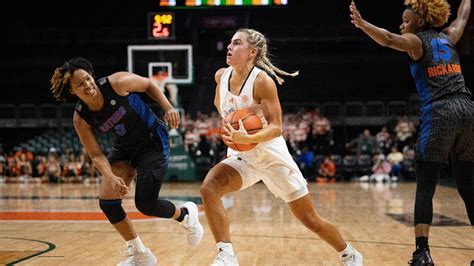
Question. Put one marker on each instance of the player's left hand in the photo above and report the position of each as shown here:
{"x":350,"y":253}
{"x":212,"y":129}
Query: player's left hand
{"x":172,"y":118}
{"x":356,"y":18}
{"x":236,"y":136}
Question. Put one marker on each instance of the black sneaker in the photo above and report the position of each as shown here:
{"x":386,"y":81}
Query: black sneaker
{"x":421,"y":257}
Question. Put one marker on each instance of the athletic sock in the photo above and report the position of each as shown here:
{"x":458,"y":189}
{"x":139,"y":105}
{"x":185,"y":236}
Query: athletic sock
{"x":422,"y":242}
{"x":136,"y":245}
{"x":347,"y":250}
{"x":223,"y":246}
{"x":184,"y":211}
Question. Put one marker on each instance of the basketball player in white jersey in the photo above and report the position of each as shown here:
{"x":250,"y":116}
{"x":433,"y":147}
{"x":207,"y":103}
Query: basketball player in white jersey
{"x":248,"y":84}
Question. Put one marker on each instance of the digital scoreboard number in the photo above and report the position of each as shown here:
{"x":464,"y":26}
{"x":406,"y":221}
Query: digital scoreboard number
{"x":161,"y":26}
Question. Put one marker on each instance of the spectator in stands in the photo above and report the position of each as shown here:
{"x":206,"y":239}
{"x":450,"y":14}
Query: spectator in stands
{"x":395,"y":158}
{"x":88,"y":171}
{"x":321,"y":136}
{"x":24,"y":150}
{"x":404,"y":133}
{"x":191,"y":139}
{"x":391,"y":123}
{"x":112,"y":105}
{"x":52,"y":169}
{"x":301,"y":133}
{"x":384,"y":140}
{"x":327,"y":170}
{"x":447,"y":112}
{"x":204,"y":147}
{"x":71,"y":169}
{"x":202,"y":123}
{"x":365,"y":143}
{"x":306,"y":163}
{"x":380,"y":170}
{"x":24,"y":168}
{"x":38,"y":166}
{"x":11,"y":169}
{"x":408,"y":164}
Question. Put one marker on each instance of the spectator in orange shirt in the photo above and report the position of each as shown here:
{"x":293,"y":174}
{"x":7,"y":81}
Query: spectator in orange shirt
{"x":327,"y":170}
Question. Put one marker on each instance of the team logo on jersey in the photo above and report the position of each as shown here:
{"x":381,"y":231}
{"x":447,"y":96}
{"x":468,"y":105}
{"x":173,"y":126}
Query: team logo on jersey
{"x":231,"y":101}
{"x":102,"y":81}
{"x":228,"y":111}
{"x":79,"y":107}
{"x":114,"y":120}
{"x":113,"y":102}
{"x":244,"y":98}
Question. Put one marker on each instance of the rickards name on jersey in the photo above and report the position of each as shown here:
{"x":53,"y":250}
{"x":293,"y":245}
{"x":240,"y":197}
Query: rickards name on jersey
{"x":444,"y":69}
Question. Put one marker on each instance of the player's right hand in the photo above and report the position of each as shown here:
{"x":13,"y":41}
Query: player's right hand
{"x":172,"y":118}
{"x":119,"y":186}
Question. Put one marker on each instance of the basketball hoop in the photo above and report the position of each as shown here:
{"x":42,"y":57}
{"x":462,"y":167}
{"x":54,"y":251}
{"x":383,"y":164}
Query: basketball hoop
{"x":161,"y":77}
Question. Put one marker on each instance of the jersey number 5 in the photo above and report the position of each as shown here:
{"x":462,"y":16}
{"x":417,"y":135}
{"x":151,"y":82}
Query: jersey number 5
{"x":440,"y":50}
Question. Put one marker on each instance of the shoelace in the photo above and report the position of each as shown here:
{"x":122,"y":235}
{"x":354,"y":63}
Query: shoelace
{"x":414,"y":257}
{"x":347,"y":258}
{"x":126,"y":253}
{"x":191,"y":228}
{"x":130,"y":257}
{"x":222,"y":257}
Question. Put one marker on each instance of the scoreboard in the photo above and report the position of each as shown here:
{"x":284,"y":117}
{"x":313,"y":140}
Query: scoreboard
{"x":161,"y":25}
{"x":217,"y":3}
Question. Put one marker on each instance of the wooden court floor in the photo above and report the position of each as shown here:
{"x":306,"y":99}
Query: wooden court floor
{"x":62,"y":225}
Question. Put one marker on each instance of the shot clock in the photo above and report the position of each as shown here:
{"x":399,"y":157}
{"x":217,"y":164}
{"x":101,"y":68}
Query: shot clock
{"x":161,"y":25}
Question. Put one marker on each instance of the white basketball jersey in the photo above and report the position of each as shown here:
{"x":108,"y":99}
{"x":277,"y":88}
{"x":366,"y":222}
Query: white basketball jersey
{"x":266,"y":153}
{"x":230,"y":102}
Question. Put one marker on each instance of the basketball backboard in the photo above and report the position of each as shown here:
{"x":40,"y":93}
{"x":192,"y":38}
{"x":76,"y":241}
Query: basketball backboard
{"x":149,"y":60}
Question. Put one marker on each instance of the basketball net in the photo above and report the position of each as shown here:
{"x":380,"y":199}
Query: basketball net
{"x":161,"y":77}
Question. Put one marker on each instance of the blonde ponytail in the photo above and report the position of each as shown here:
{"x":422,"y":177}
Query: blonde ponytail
{"x":257,"y":40}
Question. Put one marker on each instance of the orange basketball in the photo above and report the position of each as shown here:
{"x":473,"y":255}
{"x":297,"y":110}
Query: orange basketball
{"x":251,"y":123}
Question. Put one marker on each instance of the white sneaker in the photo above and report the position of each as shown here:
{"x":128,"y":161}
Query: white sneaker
{"x":353,"y":258}
{"x":191,"y":225}
{"x":224,"y":258}
{"x":140,"y":258}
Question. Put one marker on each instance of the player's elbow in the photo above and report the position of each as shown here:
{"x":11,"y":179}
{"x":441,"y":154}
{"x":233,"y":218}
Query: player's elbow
{"x":97,"y":157}
{"x":277,"y":131}
{"x":387,"y":41}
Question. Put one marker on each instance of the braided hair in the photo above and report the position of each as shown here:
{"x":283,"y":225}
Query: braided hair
{"x":434,"y":12}
{"x":257,"y":40}
{"x":62,"y":75}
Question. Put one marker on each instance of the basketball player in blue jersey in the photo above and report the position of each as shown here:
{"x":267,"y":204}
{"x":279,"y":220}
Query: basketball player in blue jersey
{"x":447,"y":112}
{"x":140,"y":148}
{"x":247,"y":84}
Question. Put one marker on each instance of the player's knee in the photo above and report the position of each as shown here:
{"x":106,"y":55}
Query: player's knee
{"x":207,"y":190}
{"x":113,"y":210}
{"x":144,"y":206}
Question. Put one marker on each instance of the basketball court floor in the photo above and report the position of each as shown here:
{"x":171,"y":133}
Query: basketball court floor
{"x":62,"y":225}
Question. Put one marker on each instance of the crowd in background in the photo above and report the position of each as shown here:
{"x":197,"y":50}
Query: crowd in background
{"x":386,"y":156}
{"x":25,"y":166}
